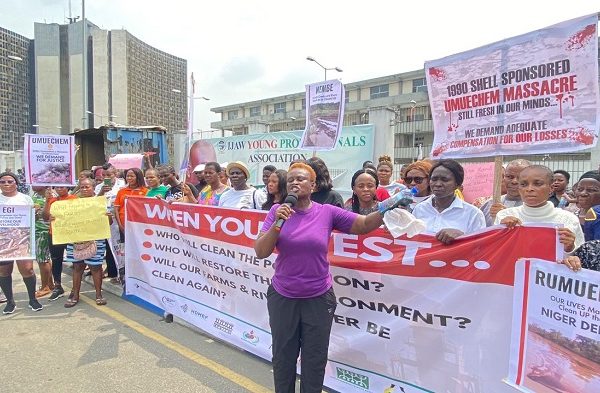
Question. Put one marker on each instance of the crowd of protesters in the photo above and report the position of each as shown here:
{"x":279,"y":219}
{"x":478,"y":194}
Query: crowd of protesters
{"x":301,"y":291}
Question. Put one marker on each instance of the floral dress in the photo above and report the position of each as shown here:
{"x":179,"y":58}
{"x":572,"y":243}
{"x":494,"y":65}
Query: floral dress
{"x":42,"y":235}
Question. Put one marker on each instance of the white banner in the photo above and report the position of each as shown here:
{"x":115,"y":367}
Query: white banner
{"x":414,"y":313}
{"x":50,"y":160}
{"x":532,"y":94}
{"x":324,"y":115}
{"x":17,"y":232}
{"x":556,"y":329}
{"x":281,"y":148}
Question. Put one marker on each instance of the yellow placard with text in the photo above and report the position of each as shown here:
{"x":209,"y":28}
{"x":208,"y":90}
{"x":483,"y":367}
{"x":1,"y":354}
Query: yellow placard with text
{"x":78,"y":220}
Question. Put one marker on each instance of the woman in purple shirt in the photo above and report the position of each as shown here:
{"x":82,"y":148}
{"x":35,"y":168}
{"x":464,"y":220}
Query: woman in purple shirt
{"x":300,"y":299}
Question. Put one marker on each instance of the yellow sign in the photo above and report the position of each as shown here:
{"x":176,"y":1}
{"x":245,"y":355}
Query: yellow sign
{"x":78,"y":220}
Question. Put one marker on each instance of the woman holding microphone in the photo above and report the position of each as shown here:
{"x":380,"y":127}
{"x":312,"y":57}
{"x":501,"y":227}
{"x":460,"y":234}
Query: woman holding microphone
{"x":300,"y":300}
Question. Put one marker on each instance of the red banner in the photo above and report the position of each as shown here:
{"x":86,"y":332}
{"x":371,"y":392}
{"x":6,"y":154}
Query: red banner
{"x":477,"y":258}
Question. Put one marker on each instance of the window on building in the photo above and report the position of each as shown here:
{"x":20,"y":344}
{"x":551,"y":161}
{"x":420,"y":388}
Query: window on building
{"x":419,"y":85}
{"x":380,"y":91}
{"x":346,"y":96}
{"x":279,"y":107}
{"x":254,"y":111}
{"x":232,"y":115}
{"x":303,"y":103}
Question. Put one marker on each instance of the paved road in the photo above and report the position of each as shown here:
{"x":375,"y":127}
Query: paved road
{"x":118,"y":347}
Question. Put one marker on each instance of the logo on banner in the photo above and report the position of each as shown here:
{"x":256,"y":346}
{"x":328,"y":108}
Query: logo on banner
{"x":352,"y":378}
{"x":168,"y":302}
{"x":198,"y":314}
{"x":184,"y":308}
{"x":221,"y":146}
{"x":250,"y":337}
{"x":224,"y":326}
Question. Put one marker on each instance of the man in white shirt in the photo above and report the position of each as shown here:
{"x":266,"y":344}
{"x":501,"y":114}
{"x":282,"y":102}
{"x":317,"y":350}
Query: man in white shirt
{"x":241,"y":195}
{"x":512,"y":198}
{"x":110,"y":186}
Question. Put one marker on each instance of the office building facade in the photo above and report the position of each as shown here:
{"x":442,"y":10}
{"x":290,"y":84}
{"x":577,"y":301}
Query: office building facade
{"x":17,"y":104}
{"x":126,"y":80}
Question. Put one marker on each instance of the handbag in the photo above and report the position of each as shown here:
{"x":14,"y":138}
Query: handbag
{"x":84,"y":250}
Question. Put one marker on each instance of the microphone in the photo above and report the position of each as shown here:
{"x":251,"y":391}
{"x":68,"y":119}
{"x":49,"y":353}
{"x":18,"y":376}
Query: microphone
{"x":289,"y":200}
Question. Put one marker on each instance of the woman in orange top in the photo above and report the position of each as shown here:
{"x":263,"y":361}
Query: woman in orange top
{"x":136,"y":186}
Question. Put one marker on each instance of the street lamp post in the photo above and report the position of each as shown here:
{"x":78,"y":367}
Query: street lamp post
{"x":101,"y":116}
{"x":413,"y":105}
{"x":338,"y":69}
{"x":38,"y":128}
{"x":191,"y":98}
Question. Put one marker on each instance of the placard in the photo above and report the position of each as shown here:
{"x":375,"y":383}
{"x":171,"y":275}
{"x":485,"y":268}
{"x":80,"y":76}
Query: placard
{"x":78,"y":220}
{"x":49,"y":160}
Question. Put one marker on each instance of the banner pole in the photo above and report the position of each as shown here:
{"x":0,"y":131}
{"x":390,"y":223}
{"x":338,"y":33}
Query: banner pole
{"x":498,"y":161}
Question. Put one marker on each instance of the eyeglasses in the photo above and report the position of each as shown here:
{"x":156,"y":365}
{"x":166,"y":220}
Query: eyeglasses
{"x":7,"y":182}
{"x":416,"y":179}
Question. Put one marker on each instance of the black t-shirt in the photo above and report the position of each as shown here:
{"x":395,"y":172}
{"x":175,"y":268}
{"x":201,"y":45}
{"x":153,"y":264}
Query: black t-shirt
{"x":329,"y":197}
{"x":175,"y":192}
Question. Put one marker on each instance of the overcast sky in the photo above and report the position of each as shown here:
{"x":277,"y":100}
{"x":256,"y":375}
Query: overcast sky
{"x":243,"y":50}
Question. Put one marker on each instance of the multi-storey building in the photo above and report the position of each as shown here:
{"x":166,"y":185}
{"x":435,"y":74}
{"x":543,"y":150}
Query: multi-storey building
{"x":126,"y":80}
{"x":396,"y":105}
{"x":17,"y":107}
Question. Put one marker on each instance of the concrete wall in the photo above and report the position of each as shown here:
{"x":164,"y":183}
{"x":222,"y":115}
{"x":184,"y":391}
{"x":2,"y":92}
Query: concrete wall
{"x":383,"y":142}
{"x":47,"y":77}
{"x":118,"y":43}
{"x":100,"y":78}
{"x":75,"y":54}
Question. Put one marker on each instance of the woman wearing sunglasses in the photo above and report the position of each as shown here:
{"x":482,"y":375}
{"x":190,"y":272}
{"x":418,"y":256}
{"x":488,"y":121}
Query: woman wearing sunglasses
{"x":417,"y":175}
{"x":10,"y":196}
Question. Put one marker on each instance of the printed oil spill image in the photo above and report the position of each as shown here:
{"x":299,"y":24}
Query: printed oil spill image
{"x":14,"y":242}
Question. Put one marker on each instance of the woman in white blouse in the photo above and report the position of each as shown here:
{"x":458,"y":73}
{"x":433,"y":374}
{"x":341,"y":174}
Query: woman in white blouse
{"x":444,"y":214}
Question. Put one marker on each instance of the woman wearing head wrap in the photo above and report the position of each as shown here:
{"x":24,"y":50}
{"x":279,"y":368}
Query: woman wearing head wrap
{"x":416,"y":175}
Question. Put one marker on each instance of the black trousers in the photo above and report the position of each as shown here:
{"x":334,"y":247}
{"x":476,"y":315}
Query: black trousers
{"x":57,"y":255}
{"x":111,"y":265}
{"x":300,"y":324}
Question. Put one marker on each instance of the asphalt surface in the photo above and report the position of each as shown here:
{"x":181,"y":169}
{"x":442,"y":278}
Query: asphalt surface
{"x":117,"y":347}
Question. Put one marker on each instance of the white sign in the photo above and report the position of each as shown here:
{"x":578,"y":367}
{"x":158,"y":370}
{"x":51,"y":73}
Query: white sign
{"x":556,"y":329}
{"x":17,"y":233}
{"x":49,"y":160}
{"x":324,"y":115}
{"x":532,"y":94}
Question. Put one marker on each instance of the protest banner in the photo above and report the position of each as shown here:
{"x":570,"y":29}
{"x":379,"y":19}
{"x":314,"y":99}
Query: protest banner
{"x":50,"y":160}
{"x":534,"y":93}
{"x":556,"y":329}
{"x":281,"y":148}
{"x":127,"y":161}
{"x":79,"y":220}
{"x":17,"y":233}
{"x":324,"y":115}
{"x":411,"y":312}
{"x":479,"y":180}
